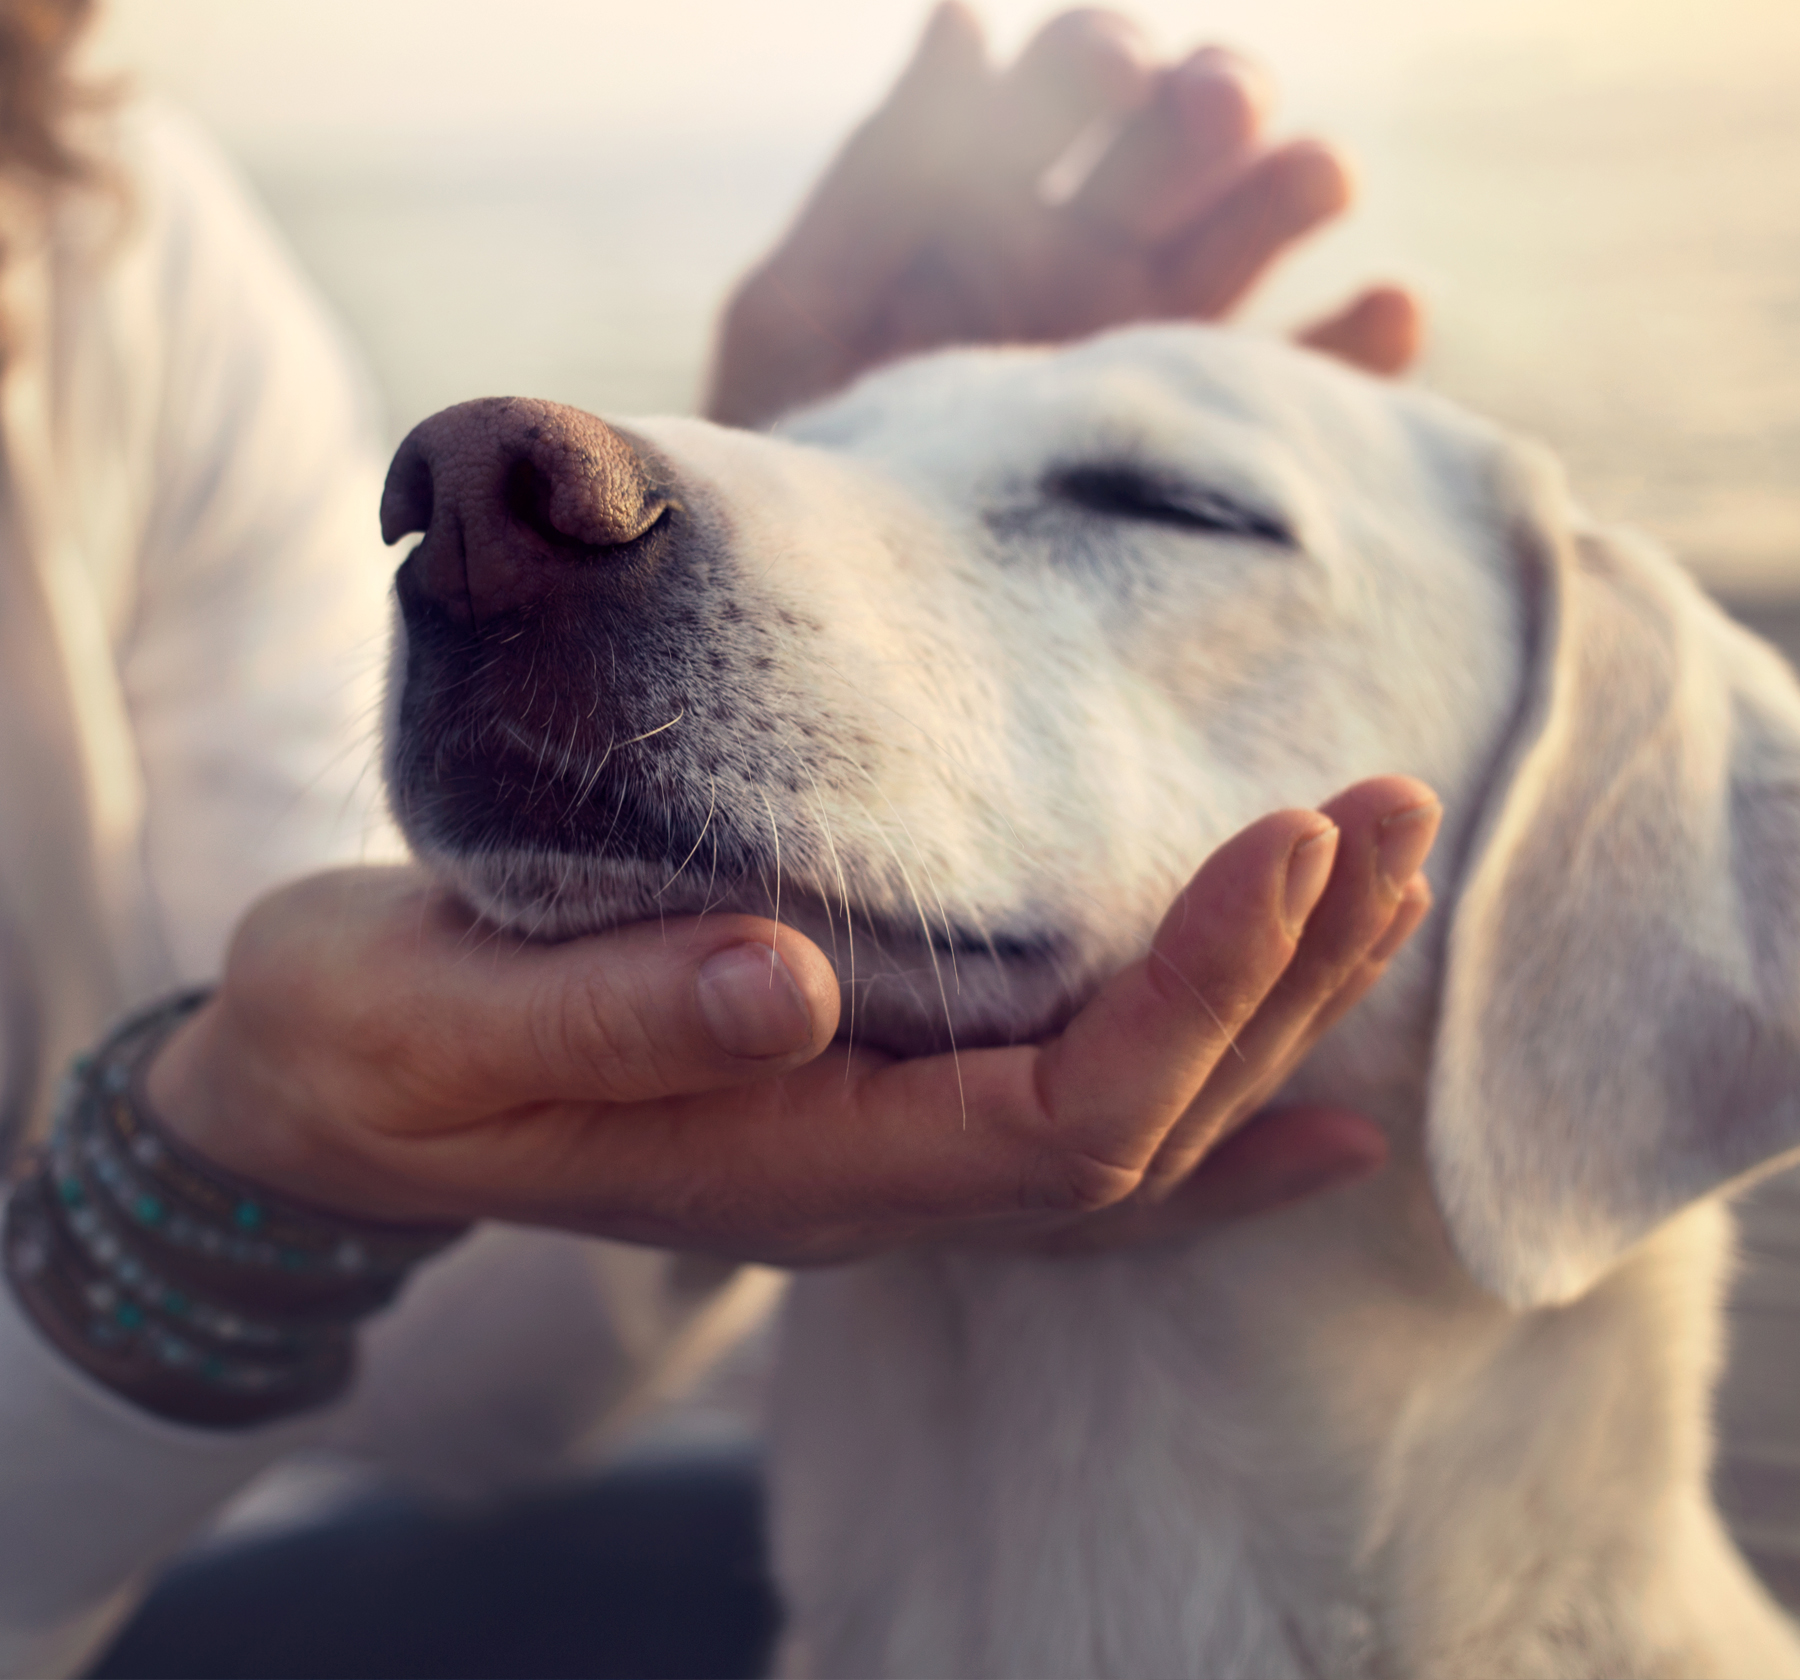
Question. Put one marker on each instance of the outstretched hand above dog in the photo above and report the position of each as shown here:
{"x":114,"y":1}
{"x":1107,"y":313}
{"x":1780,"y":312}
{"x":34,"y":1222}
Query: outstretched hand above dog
{"x":372,"y":1051}
{"x":938,"y":223}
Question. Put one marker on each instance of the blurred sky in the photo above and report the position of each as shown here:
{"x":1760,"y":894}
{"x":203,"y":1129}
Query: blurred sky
{"x":274,"y":75}
{"x":1601,"y":198}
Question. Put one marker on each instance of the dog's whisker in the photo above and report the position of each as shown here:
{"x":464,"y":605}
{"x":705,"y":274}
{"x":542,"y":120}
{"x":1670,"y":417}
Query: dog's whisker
{"x":657,"y":730}
{"x":774,"y":829}
{"x":831,"y":852}
{"x":712,"y":804}
{"x":1231,"y":1042}
{"x":568,"y":752}
{"x":936,"y":970}
{"x":587,"y":787}
{"x":931,"y":883}
{"x":712,"y":879}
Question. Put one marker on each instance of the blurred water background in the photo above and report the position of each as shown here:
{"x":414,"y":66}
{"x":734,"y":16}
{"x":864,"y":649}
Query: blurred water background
{"x":547,"y":197}
{"x":1600,"y":198}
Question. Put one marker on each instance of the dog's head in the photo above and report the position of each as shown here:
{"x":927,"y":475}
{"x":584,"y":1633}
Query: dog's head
{"x":965,"y":671}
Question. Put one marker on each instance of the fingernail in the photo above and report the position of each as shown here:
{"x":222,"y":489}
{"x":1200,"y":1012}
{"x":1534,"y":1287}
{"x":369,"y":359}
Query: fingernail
{"x":750,"y":1003}
{"x":1403,"y":842}
{"x":1415,"y":900}
{"x":1308,"y":869}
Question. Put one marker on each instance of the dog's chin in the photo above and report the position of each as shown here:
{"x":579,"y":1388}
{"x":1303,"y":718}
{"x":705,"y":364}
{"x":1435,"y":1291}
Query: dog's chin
{"x":556,"y":896}
{"x":899,"y":995}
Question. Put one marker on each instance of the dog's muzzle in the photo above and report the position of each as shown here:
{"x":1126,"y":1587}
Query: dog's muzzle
{"x":554,"y":614}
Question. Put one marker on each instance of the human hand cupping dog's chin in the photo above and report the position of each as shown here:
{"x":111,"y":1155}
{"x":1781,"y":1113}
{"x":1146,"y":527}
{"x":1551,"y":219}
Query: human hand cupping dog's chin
{"x":373,"y":1051}
{"x":933,"y":226}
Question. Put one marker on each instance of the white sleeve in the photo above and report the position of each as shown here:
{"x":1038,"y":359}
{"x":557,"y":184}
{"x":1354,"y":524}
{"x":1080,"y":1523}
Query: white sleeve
{"x":250,"y":657}
{"x":520,"y":1351}
{"x":224,"y":466}
{"x":251,"y":661}
{"x":93,"y":1494}
{"x":252,"y":670}
{"x":500,"y":1365}
{"x":252,"y":665}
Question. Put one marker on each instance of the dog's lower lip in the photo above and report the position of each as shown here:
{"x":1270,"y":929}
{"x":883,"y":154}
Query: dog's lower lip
{"x":675,"y":894}
{"x":477,"y":803}
{"x":1001,"y":947}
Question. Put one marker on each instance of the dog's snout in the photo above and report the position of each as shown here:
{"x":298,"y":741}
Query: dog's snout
{"x":516,"y":498}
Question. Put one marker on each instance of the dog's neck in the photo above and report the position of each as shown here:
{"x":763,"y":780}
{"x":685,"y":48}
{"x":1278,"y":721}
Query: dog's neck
{"x":1306,"y":1443}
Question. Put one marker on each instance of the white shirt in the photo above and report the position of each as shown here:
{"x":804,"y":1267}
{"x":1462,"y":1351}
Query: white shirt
{"x":193,"y":620}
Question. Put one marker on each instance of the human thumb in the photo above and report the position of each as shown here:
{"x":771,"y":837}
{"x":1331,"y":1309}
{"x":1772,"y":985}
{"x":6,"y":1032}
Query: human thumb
{"x":655,"y":1010}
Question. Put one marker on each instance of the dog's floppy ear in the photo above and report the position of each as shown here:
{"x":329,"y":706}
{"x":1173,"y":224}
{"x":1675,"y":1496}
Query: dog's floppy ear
{"x":1620,"y":1027}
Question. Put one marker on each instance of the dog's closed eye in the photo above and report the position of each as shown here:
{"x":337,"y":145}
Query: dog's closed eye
{"x":1123,"y":491}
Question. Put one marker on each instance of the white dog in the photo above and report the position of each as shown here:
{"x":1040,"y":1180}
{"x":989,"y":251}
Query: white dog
{"x":968,"y":667}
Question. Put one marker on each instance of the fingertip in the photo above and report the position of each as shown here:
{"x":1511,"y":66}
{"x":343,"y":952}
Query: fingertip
{"x":1313,"y":180}
{"x":1382,"y":331}
{"x":1258,"y":856}
{"x":1282,"y":1156}
{"x":1308,"y":871}
{"x":1403,"y":840}
{"x":1392,"y":321}
{"x":1268,"y":207}
{"x":1335,"y":1146}
{"x":1220,"y":98}
{"x":1391,"y":824}
{"x":1414,"y":906}
{"x":751,"y":1004}
{"x":1377,"y":798}
{"x":652,"y":1010}
{"x":1179,"y":150}
{"x":764,"y":991}
{"x":1096,"y":59}
{"x":1244,"y":899}
{"x":952,"y":36}
{"x":816,"y":980}
{"x":949,"y":67}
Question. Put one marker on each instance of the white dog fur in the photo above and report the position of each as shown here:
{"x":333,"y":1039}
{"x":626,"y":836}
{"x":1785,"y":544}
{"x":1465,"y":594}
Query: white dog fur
{"x":1033,"y":632}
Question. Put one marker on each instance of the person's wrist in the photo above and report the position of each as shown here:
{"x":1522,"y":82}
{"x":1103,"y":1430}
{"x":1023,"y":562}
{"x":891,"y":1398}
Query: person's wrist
{"x":183,"y":1082}
{"x":191,"y":1292}
{"x":209,"y":1089}
{"x":203,"y":1087}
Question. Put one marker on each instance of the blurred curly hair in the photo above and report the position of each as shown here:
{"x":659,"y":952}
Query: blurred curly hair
{"x":39,"y":91}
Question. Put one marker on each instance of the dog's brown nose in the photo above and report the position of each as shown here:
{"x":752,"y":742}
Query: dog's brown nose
{"x":515,"y":497}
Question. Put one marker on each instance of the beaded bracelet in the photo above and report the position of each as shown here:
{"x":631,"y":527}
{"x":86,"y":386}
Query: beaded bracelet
{"x":195,"y":1294}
